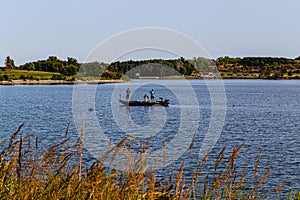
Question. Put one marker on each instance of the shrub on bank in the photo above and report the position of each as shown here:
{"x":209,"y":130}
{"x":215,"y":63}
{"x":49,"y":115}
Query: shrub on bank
{"x":58,"y":77}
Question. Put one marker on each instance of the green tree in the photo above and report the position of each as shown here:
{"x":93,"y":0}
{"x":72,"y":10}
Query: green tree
{"x":31,"y":67}
{"x":52,"y":59}
{"x":278,"y":74}
{"x":9,"y":63}
{"x":72,"y":61}
{"x":275,"y":65}
{"x":266,"y":70}
{"x":183,"y":70}
{"x":69,"y":70}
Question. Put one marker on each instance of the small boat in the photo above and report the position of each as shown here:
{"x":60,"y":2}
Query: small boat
{"x":146,"y":103}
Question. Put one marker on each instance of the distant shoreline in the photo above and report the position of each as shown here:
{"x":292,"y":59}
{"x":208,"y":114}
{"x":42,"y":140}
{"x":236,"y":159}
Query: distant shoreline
{"x":64,"y":82}
{"x":57,"y":82}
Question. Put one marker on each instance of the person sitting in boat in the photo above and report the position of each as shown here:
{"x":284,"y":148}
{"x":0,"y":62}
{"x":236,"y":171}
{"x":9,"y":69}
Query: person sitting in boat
{"x":146,"y":98}
{"x":152,"y":98}
{"x":128,"y":95}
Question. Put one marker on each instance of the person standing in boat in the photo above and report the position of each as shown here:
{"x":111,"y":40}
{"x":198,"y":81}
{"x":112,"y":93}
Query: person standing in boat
{"x":146,"y":98}
{"x":127,"y":94}
{"x":152,"y":98}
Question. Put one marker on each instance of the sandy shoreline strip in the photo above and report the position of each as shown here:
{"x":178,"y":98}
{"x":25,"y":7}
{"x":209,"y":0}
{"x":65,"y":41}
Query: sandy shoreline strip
{"x":56,"y":82}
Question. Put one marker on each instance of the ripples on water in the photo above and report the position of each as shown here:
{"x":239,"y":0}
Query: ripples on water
{"x":264,"y":114}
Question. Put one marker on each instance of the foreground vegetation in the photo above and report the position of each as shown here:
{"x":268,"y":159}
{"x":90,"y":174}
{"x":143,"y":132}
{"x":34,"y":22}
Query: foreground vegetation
{"x":59,"y":173}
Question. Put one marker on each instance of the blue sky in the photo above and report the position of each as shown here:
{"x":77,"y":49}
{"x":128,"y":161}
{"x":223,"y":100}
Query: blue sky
{"x":36,"y":29}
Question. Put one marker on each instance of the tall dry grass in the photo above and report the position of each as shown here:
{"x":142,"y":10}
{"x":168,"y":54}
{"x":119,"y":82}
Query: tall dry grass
{"x":59,"y":173}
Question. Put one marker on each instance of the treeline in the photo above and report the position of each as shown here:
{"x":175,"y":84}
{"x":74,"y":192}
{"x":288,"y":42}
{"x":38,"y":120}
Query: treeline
{"x":264,"y":67}
{"x":69,"y":67}
{"x":130,"y":68}
{"x":251,"y":67}
{"x":115,"y":70}
{"x":153,"y":67}
{"x":260,"y":67}
{"x":256,"y":61}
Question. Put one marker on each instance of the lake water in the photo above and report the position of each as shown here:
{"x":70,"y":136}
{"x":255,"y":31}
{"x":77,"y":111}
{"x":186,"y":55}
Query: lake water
{"x":264,"y":114}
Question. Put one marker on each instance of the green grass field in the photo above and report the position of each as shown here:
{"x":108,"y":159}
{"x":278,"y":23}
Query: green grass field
{"x":21,"y":74}
{"x":32,"y":75}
